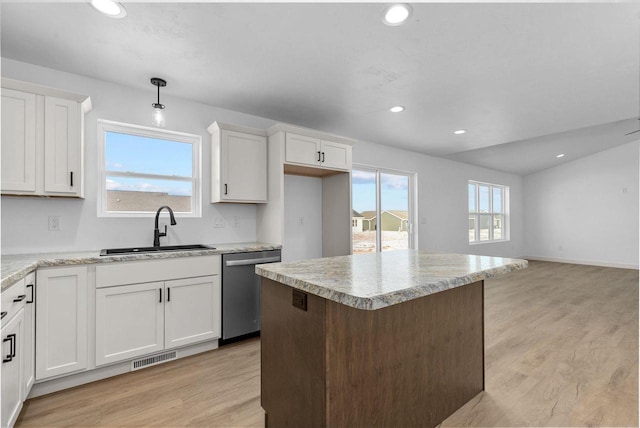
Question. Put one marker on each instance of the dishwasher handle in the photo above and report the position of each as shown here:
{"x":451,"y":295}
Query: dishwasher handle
{"x":247,"y":262}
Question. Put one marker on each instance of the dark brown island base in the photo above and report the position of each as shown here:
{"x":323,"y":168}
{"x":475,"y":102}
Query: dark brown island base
{"x":378,"y":340}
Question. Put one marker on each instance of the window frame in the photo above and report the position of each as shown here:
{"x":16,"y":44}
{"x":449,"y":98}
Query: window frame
{"x":104,"y":126}
{"x":491,"y":213}
{"x":412,"y":203}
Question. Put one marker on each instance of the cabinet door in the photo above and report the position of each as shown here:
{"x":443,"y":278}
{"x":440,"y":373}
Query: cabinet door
{"x":243,"y":167}
{"x":29,"y":357}
{"x":61,"y":321}
{"x":335,"y":155}
{"x":18,"y":141}
{"x":12,"y":349}
{"x":302,"y":149}
{"x":62,"y":149}
{"x":192,"y":310}
{"x":129,"y":321}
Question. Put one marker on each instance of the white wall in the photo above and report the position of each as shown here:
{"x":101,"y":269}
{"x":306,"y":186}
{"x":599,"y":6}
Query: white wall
{"x":302,"y":218}
{"x":442,"y":184}
{"x":442,"y":199}
{"x":24,"y":220}
{"x":585,"y":211}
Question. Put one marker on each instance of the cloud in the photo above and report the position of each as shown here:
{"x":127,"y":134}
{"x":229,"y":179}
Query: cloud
{"x":395,"y":182}
{"x":363,"y":177}
{"x":114,"y":165}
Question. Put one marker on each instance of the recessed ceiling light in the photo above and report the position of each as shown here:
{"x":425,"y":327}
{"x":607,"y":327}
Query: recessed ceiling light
{"x":561,"y":155}
{"x":459,"y":131}
{"x":396,"y":109}
{"x":396,"y":14}
{"x":109,"y":8}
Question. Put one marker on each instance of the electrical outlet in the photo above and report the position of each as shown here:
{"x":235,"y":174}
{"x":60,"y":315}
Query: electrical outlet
{"x":236,"y":221}
{"x":54,"y":223}
{"x":301,"y":221}
{"x":218,"y":222}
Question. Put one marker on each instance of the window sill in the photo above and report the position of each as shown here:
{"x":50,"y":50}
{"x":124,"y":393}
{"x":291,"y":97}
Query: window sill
{"x":489,"y":242}
{"x":145,"y":214}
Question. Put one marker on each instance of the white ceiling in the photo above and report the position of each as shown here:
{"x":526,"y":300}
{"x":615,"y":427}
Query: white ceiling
{"x":525,"y":80}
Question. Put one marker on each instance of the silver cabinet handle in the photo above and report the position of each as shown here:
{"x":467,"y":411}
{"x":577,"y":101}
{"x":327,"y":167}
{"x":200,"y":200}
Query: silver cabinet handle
{"x":252,"y":261}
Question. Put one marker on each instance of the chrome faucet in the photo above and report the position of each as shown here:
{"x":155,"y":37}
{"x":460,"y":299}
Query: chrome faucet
{"x":156,"y":232}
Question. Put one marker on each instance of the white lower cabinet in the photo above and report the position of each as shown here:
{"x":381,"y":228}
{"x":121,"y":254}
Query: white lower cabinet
{"x":192,"y":312}
{"x":140,"y":319}
{"x":12,"y":368}
{"x":129,"y":321}
{"x":122,"y":310}
{"x":61,"y":321}
{"x":29,"y":356}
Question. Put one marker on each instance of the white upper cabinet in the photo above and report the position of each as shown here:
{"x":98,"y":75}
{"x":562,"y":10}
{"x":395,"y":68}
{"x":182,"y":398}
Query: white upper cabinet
{"x":42,"y":140}
{"x":335,"y":155}
{"x":62,"y":149}
{"x":302,"y":149}
{"x":311,"y":151}
{"x":18,"y":141}
{"x":238,"y":164}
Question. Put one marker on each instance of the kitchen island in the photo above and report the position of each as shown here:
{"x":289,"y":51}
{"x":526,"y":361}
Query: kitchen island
{"x":376,"y":340}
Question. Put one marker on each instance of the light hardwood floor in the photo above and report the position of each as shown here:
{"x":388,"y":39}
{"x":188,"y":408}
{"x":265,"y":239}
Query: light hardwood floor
{"x":561,"y":347}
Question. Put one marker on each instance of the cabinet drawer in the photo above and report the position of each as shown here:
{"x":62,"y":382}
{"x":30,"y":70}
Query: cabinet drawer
{"x":13,"y":299}
{"x":112,"y":274}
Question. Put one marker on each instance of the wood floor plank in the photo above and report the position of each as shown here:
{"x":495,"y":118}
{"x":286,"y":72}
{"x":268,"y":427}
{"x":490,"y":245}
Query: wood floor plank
{"x":561,"y":349}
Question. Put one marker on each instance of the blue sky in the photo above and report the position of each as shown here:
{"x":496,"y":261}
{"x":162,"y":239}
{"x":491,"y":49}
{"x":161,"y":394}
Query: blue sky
{"x":484,"y":200}
{"x":394,"y":191}
{"x":131,"y":153}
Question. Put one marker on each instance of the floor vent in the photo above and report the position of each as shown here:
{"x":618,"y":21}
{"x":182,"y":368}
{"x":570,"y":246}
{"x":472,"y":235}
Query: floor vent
{"x":152,"y":361}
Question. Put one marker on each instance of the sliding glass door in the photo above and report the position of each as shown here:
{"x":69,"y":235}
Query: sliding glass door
{"x":382,"y":210}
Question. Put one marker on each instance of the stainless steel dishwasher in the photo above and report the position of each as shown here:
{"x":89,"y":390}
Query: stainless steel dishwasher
{"x":241,"y":292}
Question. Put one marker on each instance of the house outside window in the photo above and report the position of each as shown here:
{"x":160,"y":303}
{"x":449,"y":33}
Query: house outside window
{"x":382,"y":194}
{"x":142,"y":169}
{"x":488,"y":212}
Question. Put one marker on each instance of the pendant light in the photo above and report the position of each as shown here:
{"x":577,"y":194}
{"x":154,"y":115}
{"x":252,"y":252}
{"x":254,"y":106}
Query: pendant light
{"x":158,"y":115}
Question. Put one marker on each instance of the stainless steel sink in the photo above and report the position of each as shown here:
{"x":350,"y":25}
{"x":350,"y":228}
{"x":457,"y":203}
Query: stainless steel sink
{"x":139,"y":250}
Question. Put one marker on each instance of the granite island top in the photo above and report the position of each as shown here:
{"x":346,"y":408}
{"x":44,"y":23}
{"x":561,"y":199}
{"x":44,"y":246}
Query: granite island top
{"x":17,"y":266}
{"x":374,"y":281}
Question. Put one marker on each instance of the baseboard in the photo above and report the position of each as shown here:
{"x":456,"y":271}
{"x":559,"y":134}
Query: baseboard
{"x":584,"y":262}
{"x":69,"y":381}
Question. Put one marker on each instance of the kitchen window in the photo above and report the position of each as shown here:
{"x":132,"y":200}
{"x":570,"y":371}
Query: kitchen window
{"x":488,"y":212}
{"x":382,"y":209}
{"x":142,"y":169}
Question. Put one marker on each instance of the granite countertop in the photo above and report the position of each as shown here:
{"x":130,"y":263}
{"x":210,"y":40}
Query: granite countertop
{"x":17,"y":266}
{"x":374,"y":281}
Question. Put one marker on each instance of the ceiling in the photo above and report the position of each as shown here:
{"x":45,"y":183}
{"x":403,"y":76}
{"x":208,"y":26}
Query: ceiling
{"x":527,"y":80}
